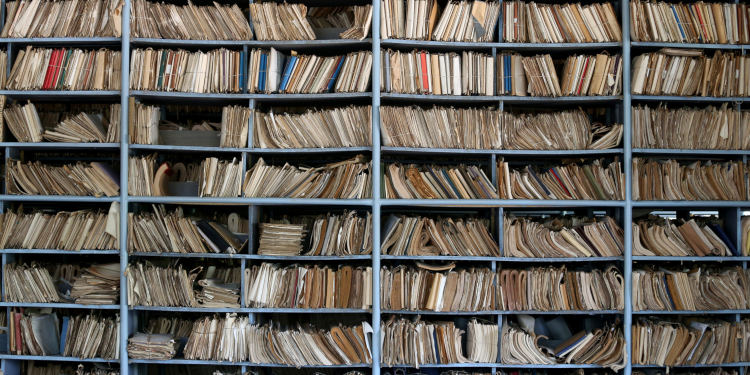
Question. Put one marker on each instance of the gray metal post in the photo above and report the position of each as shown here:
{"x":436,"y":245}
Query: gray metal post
{"x":375,"y":187}
{"x":124,"y":90}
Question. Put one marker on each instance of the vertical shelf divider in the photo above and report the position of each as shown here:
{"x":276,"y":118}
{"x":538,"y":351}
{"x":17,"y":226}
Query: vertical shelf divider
{"x":124,"y":92}
{"x":375,"y":170}
{"x":628,"y":214}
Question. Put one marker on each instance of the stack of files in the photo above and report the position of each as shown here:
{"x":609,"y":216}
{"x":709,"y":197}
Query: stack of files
{"x":511,"y":77}
{"x":52,"y":368}
{"x":529,"y":22}
{"x":152,"y":346}
{"x":215,"y":71}
{"x":592,"y":75}
{"x":411,"y":19}
{"x":273,"y":72}
{"x":541,"y":76}
{"x":98,"y":284}
{"x":417,"y":289}
{"x":65,"y":69}
{"x":354,"y":20}
{"x":211,"y":178}
{"x":347,"y":179}
{"x":437,"y":182}
{"x":235,"y":120}
{"x":281,"y":239}
{"x":684,"y":72}
{"x":656,"y":236}
{"x":422,"y":72}
{"x":29,"y":283}
{"x":348,"y":126}
{"x":348,"y":233}
{"x":466,"y":21}
{"x":692,"y":22}
{"x":26,"y":125}
{"x":151,"y":285}
{"x":3,"y":77}
{"x":81,"y":336}
{"x":694,"y":341}
{"x":308,"y":287}
{"x":562,"y":237}
{"x":413,"y":343}
{"x":551,"y":289}
{"x":709,"y":180}
{"x":177,"y":326}
{"x":481,"y":343}
{"x":281,"y":21}
{"x":440,"y":127}
{"x":591,"y":181}
{"x":538,"y":341}
{"x":234,"y":339}
{"x":563,"y":130}
{"x":143,"y":123}
{"x":63,"y":230}
{"x":188,"y":22}
{"x":67,"y":18}
{"x":215,"y":293}
{"x":80,"y":179}
{"x":700,"y":288}
{"x":419,"y":236}
{"x":709,"y":128}
{"x":745,"y":233}
{"x":161,"y":231}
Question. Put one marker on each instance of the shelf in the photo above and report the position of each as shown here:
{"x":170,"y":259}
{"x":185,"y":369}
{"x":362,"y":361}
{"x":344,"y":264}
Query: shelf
{"x":253,"y":201}
{"x":690,"y":204}
{"x":680,"y":152}
{"x":177,"y":361}
{"x":56,"y":305}
{"x":304,"y":258}
{"x":269,"y":310}
{"x":272,"y":98}
{"x":176,"y":148}
{"x":186,"y":309}
{"x":650,"y":258}
{"x":423,"y":44}
{"x":558,"y":46}
{"x":734,"y":364}
{"x":56,"y":198}
{"x":278,"y":44}
{"x":504,"y":312}
{"x":562,"y":260}
{"x":54,"y":358}
{"x":500,"y":203}
{"x":690,"y":45}
{"x":58,"y":94}
{"x":428,"y":98}
{"x":497,"y":365}
{"x":688,"y":99}
{"x":66,"y":41}
{"x":458,"y":151}
{"x":691,"y":312}
{"x":559,"y":99}
{"x":257,"y":150}
{"x":60,"y":145}
{"x":59,"y":252}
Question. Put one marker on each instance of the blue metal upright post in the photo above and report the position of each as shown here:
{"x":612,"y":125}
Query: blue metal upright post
{"x":628,"y":164}
{"x":375,"y":187}
{"x":124,"y":89}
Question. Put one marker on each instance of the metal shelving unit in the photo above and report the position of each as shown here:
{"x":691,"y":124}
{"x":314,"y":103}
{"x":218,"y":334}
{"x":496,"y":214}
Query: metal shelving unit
{"x":498,"y":207}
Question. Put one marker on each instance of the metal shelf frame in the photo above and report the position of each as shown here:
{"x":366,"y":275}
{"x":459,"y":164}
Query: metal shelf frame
{"x":732,"y":210}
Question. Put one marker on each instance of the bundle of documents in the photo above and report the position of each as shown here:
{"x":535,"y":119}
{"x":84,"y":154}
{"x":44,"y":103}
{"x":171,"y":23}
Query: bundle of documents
{"x":551,"y":288}
{"x":700,"y":288}
{"x":460,"y":21}
{"x":481,"y":342}
{"x":709,"y":180}
{"x":347,"y":179}
{"x":81,"y":336}
{"x":178,"y":326}
{"x":63,"y":230}
{"x":35,"y":333}
{"x":420,"y":235}
{"x":348,"y":233}
{"x":695,"y":341}
{"x":354,"y":20}
{"x":348,"y":126}
{"x":691,"y":22}
{"x":541,"y":75}
{"x":26,"y":125}
{"x":215,"y":71}
{"x":143,"y":123}
{"x":592,"y":75}
{"x":539,"y":341}
{"x":81,"y":179}
{"x":188,"y":22}
{"x":745,"y":232}
{"x":562,"y":237}
{"x":234,"y":339}
{"x":440,"y":127}
{"x":281,"y":239}
{"x":511,"y":77}
{"x":281,"y":21}
{"x":593,"y":181}
{"x":68,"y":18}
{"x":219,"y":178}
{"x":235,"y":120}
{"x":417,"y":342}
{"x":150,"y":285}
{"x":29,"y":283}
{"x":415,"y":289}
{"x":437,"y":182}
{"x":271,"y":71}
{"x":466,"y":21}
{"x":91,"y":336}
{"x":422,"y":72}
{"x":530,"y":22}
{"x":65,"y":69}
{"x":54,"y":368}
{"x":174,"y":232}
{"x":308,"y":287}
{"x":563,"y":130}
{"x":98,"y":284}
{"x":684,"y":72}
{"x":698,"y":236}
{"x":709,"y":128}
{"x":211,"y":178}
{"x":217,"y":293}
{"x":152,"y":346}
